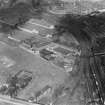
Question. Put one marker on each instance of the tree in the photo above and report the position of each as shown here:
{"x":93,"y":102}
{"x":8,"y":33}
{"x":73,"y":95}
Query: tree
{"x":11,"y":18}
{"x":88,"y":30}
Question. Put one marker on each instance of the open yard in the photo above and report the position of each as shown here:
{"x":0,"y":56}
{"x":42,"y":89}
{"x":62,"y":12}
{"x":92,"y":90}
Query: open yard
{"x":14,"y":59}
{"x":43,"y":72}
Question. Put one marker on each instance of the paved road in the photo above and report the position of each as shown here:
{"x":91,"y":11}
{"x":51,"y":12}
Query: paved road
{"x":9,"y":100}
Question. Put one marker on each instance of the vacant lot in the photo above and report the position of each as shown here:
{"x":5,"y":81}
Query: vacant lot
{"x":43,"y":72}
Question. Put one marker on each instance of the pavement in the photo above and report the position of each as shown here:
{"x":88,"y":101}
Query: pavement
{"x":12,"y":101}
